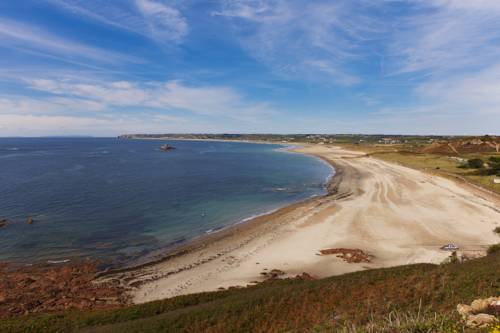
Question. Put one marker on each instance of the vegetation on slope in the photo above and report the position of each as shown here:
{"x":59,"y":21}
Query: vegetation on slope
{"x":414,"y":298}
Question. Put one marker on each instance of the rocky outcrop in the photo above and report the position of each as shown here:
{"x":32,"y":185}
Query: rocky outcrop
{"x":3,"y":223}
{"x":166,"y":147}
{"x":481,"y":312}
{"x":47,"y":288}
{"x":272,"y":274}
{"x":349,"y":255}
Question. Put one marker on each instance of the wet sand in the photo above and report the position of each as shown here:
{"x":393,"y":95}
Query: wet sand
{"x":395,"y":214}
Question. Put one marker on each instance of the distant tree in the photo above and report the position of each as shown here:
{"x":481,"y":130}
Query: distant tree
{"x":495,"y":159}
{"x":494,"y":164}
{"x":475,"y":163}
{"x":493,"y":249}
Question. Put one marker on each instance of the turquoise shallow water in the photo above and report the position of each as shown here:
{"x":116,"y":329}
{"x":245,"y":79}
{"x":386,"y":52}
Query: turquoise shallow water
{"x":119,"y":200}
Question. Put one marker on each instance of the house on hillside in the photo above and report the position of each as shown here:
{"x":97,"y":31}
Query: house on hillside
{"x":389,"y":141}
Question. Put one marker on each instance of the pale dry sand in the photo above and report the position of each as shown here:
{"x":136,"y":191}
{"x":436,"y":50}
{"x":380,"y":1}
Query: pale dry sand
{"x":398,"y":215}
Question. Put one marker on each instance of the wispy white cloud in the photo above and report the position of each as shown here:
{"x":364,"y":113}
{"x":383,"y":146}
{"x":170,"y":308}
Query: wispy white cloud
{"x":333,"y":70}
{"x":165,"y":22}
{"x":115,"y":14}
{"x":319,"y":38}
{"x":25,"y":36}
{"x":18,"y":104}
{"x":153,"y":19}
{"x":36,"y":124}
{"x":170,"y":95}
{"x":450,"y":51}
{"x":477,"y":93}
{"x":446,"y":35}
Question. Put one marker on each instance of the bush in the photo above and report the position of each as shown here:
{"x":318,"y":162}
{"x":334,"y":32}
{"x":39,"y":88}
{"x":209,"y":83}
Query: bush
{"x":494,"y":163}
{"x":493,"y":249}
{"x":495,"y":159}
{"x":497,"y":230}
{"x":475,"y":163}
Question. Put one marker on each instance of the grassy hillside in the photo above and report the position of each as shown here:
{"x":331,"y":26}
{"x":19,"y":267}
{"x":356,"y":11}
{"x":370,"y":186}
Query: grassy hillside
{"x":422,"y":296}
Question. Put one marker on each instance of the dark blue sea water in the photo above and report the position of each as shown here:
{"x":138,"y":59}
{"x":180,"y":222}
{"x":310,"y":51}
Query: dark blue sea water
{"x":118,"y":200}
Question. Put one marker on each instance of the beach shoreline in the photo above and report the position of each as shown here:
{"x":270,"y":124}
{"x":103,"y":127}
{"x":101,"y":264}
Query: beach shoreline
{"x":394,"y":214}
{"x":173,"y":251}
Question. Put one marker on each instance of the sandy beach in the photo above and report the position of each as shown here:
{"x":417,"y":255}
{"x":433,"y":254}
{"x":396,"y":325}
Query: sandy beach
{"x":395,"y":214}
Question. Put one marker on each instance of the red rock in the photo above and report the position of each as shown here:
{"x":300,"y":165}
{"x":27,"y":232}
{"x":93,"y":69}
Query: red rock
{"x":47,"y":288}
{"x":349,"y":255}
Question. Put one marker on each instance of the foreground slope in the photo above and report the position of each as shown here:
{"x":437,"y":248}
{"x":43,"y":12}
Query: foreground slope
{"x":298,"y":305}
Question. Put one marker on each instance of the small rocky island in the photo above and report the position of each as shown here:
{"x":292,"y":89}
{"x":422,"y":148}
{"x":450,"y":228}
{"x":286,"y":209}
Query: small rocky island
{"x":166,"y":147}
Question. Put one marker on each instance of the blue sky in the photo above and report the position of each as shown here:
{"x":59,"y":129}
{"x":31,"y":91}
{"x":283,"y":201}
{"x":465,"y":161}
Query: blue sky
{"x":103,"y":67}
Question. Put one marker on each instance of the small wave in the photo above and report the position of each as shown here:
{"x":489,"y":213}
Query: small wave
{"x":13,"y":149}
{"x":279,"y":189}
{"x":258,"y":215}
{"x":58,"y":261}
{"x":211,"y":231}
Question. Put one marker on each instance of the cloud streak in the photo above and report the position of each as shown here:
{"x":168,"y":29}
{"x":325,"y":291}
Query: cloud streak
{"x":320,"y":38}
{"x":446,"y":35}
{"x":25,"y":36}
{"x":153,"y":19}
{"x":170,"y":95}
{"x":165,"y":22}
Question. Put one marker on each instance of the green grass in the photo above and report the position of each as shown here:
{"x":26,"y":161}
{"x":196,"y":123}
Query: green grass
{"x":358,"y":301}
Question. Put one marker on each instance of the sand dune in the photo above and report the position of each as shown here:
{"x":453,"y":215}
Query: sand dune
{"x":396,"y":214}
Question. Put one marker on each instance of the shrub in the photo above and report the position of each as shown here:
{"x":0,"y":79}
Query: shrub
{"x":493,"y":249}
{"x":475,"y":163}
{"x":497,"y":230}
{"x":495,"y":159}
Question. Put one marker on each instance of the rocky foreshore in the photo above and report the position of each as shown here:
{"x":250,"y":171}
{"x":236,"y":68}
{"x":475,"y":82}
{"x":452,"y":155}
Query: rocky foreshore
{"x":50,"y":288}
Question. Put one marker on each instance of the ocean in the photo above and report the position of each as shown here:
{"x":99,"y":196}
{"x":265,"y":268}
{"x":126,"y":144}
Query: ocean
{"x":120,"y":200}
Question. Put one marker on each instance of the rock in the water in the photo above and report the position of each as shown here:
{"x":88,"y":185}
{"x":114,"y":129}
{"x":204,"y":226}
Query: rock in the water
{"x":166,"y":147}
{"x":3,"y":223}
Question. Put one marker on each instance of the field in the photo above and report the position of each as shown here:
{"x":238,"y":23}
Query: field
{"x":414,"y":298}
